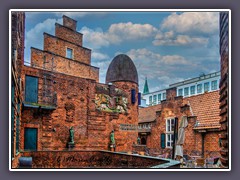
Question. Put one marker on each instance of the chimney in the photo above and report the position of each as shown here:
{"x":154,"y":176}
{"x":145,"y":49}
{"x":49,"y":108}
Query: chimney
{"x":171,"y":93}
{"x":70,"y":23}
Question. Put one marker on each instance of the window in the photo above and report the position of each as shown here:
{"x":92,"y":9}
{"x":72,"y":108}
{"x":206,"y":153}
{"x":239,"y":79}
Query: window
{"x":186,"y":91}
{"x":214,"y":85}
{"x":31,"y":89}
{"x":154,"y":99}
{"x":206,"y":86}
{"x":159,"y":98}
{"x":69,"y":53}
{"x":169,"y":132}
{"x":150,"y":100}
{"x":164,"y":96}
{"x":199,"y":88}
{"x":180,"y":92}
{"x":192,"y":90}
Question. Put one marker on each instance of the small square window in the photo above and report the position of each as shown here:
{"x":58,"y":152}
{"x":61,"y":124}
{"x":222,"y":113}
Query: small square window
{"x":69,"y":53}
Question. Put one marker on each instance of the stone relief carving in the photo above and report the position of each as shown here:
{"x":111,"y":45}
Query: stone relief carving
{"x":111,"y":104}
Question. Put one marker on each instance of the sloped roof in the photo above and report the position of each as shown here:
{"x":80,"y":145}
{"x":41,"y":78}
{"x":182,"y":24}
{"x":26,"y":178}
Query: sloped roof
{"x":148,"y":114}
{"x":206,"y":108}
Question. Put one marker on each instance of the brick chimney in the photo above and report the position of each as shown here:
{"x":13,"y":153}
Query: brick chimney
{"x":70,"y":23}
{"x":171,"y":93}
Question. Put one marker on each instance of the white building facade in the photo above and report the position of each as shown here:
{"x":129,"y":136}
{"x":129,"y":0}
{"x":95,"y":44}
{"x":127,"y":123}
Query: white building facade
{"x":190,"y":87}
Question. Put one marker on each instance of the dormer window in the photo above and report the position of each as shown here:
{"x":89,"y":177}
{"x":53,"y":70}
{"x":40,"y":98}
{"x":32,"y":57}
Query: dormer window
{"x":69,"y":53}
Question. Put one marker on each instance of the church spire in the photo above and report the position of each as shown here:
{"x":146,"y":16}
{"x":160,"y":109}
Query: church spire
{"x":145,"y":89}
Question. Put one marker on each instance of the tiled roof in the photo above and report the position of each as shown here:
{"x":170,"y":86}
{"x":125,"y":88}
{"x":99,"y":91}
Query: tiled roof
{"x":206,"y":108}
{"x":148,"y":114}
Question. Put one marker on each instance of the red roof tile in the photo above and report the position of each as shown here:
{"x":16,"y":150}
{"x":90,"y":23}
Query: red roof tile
{"x":206,"y":108}
{"x":148,"y":114}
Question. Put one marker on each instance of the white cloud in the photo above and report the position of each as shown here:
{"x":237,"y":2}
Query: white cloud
{"x":34,"y":37}
{"x":161,"y":70}
{"x":199,"y":22}
{"x":171,"y":39}
{"x":99,"y":56}
{"x":117,"y":33}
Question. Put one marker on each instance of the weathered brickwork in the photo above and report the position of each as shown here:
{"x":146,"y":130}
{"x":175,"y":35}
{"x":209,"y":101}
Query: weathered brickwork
{"x":67,"y":96}
{"x":224,"y":89}
{"x":196,"y":113}
{"x":59,"y":47}
{"x":76,"y":107}
{"x":70,"y":35}
{"x":17,"y":58}
{"x":49,"y":61}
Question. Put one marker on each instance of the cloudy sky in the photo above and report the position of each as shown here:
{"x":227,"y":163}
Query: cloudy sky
{"x":166,"y":47}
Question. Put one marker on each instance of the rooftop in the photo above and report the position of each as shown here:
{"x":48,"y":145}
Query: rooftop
{"x":204,"y":106}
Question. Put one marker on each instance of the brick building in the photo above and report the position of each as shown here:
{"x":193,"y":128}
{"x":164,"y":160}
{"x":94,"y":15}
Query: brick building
{"x":60,"y":90}
{"x":17,"y":56}
{"x":156,"y":123}
{"x":224,"y":88}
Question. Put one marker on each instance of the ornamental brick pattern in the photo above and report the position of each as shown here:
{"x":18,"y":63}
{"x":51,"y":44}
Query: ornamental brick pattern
{"x":224,"y":89}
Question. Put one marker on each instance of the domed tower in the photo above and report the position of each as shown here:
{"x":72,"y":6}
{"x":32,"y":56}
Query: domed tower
{"x":122,"y":74}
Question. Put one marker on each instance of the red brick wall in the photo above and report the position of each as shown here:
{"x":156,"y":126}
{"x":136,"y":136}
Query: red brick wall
{"x":17,"y":59}
{"x":68,"y":34}
{"x":63,"y":65}
{"x":76,"y":107}
{"x":224,"y":89}
{"x":173,"y":107}
{"x":59,"y":47}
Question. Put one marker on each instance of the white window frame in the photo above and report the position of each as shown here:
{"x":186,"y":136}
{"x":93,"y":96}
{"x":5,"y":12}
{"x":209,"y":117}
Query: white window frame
{"x":171,"y":132}
{"x":181,"y":89}
{"x":194,"y":87}
{"x":164,"y":96}
{"x":67,"y":53}
{"x":159,"y":99}
{"x":206,"y":84}
{"x":214,"y":84}
{"x":201,"y":88}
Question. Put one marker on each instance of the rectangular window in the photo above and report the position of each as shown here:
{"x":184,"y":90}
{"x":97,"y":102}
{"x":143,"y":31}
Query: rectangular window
{"x":206,"y":87}
{"x":186,"y":91}
{"x":150,"y":100}
{"x":169,"y":132}
{"x":31,"y":89}
{"x":180,"y":92}
{"x":154,"y":99}
{"x":199,"y":88}
{"x":159,"y":98}
{"x":192,"y":89}
{"x":164,"y":96}
{"x":214,"y":85}
{"x":69,"y":53}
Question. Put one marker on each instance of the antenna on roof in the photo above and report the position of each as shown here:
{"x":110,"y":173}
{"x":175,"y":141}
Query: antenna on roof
{"x":202,"y":74}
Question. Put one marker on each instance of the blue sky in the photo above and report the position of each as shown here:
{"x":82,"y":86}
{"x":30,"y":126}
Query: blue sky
{"x":166,"y":47}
